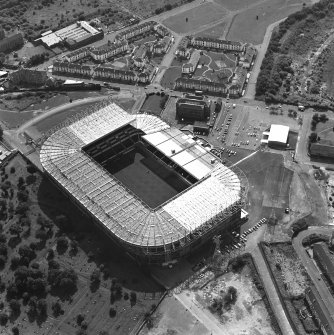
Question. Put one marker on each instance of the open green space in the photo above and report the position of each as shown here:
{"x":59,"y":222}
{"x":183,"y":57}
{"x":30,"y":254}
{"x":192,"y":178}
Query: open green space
{"x":247,"y":28}
{"x":269,"y":184}
{"x":197,"y":17}
{"x":170,"y":76}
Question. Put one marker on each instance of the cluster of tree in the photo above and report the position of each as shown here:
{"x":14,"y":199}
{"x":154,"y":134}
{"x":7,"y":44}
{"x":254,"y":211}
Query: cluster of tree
{"x":168,"y":7}
{"x":225,"y":301}
{"x":299,"y":226}
{"x":276,"y":64}
{"x":316,"y":119}
{"x":314,"y":238}
{"x":115,"y":290}
{"x":62,"y":281}
{"x":28,"y":282}
{"x":38,"y":59}
{"x":163,"y":101}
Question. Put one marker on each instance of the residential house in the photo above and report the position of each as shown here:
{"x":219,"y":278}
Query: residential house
{"x":65,"y":68}
{"x":200,"y":85}
{"x":247,"y":58}
{"x":191,"y":66}
{"x":78,"y":54}
{"x":161,"y":30}
{"x":108,"y":50}
{"x":139,"y":56}
{"x":238,"y":82}
{"x":135,"y":31}
{"x":107,"y":73}
{"x":162,"y":46}
{"x":215,"y":43}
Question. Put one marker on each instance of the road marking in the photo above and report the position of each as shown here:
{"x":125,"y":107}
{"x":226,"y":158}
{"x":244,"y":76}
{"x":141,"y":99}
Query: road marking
{"x":241,"y":160}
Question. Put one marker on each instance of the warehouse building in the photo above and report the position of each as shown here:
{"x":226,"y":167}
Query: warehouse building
{"x":277,"y":137}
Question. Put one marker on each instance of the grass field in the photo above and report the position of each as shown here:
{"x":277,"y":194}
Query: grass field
{"x":269,"y":184}
{"x":237,"y":4}
{"x":170,"y":76}
{"x":152,"y":105}
{"x":147,"y":177}
{"x":216,"y":31}
{"x":247,"y":28}
{"x":197,"y":17}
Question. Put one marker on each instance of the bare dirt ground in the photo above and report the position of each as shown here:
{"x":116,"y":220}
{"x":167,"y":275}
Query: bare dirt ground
{"x":173,"y":318}
{"x":247,"y":316}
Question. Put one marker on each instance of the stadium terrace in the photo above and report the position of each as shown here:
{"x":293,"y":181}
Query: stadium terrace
{"x":153,"y":189}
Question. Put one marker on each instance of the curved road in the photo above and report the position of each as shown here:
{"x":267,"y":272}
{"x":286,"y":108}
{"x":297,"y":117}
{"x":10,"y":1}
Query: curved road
{"x":312,"y":269}
{"x":262,"y":49}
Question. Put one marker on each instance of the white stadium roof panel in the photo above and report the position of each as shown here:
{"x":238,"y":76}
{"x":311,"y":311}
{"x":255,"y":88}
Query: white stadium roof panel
{"x":183,"y":158}
{"x":169,"y":148}
{"x":197,"y":168}
{"x":156,"y":138}
{"x":119,"y":210}
{"x":278,"y":133}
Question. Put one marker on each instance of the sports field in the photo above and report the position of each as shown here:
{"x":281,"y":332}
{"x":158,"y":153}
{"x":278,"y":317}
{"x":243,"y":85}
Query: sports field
{"x":250,"y":25}
{"x":187,"y":22}
{"x":269,"y":184}
{"x":146,"y":177}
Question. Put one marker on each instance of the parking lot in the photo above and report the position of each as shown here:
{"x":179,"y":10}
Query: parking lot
{"x":237,"y":240}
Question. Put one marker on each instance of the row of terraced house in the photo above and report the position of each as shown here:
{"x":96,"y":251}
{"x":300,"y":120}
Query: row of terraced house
{"x":215,"y":43}
{"x":234,"y":90}
{"x":102,"y":73}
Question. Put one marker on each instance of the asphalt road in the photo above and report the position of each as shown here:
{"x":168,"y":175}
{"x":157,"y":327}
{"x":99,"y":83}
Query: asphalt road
{"x":312,"y":269}
{"x":262,"y":49}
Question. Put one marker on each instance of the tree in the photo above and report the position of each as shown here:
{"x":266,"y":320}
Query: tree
{"x":95,"y":279}
{"x":62,"y":244}
{"x":80,"y":318}
{"x":42,"y":307}
{"x":26,"y":251}
{"x":15,"y":229}
{"x":15,"y":331}
{"x":112,"y":312}
{"x":1,"y":133}
{"x":313,"y":137}
{"x":3,"y":319}
{"x":14,"y":306}
{"x":133,"y":297}
{"x":56,"y":309}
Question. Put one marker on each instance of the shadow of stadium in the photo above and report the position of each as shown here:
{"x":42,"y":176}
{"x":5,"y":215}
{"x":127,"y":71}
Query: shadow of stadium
{"x":92,"y":240}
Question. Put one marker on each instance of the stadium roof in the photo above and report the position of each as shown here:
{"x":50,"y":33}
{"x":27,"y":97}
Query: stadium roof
{"x":117,"y":208}
{"x":278,"y":134}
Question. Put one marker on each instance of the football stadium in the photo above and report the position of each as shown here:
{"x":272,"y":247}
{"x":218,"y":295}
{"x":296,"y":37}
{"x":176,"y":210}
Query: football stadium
{"x":152,"y":188}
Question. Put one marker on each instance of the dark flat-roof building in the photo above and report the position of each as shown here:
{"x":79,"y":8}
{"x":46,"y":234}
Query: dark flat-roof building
{"x":191,"y":109}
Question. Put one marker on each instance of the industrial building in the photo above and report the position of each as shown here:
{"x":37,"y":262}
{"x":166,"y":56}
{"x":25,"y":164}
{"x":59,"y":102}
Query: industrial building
{"x":191,"y":109}
{"x":277,"y":137}
{"x":74,"y":36}
{"x":206,"y":197}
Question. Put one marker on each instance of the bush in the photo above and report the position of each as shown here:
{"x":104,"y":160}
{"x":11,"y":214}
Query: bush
{"x":112,"y":312}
